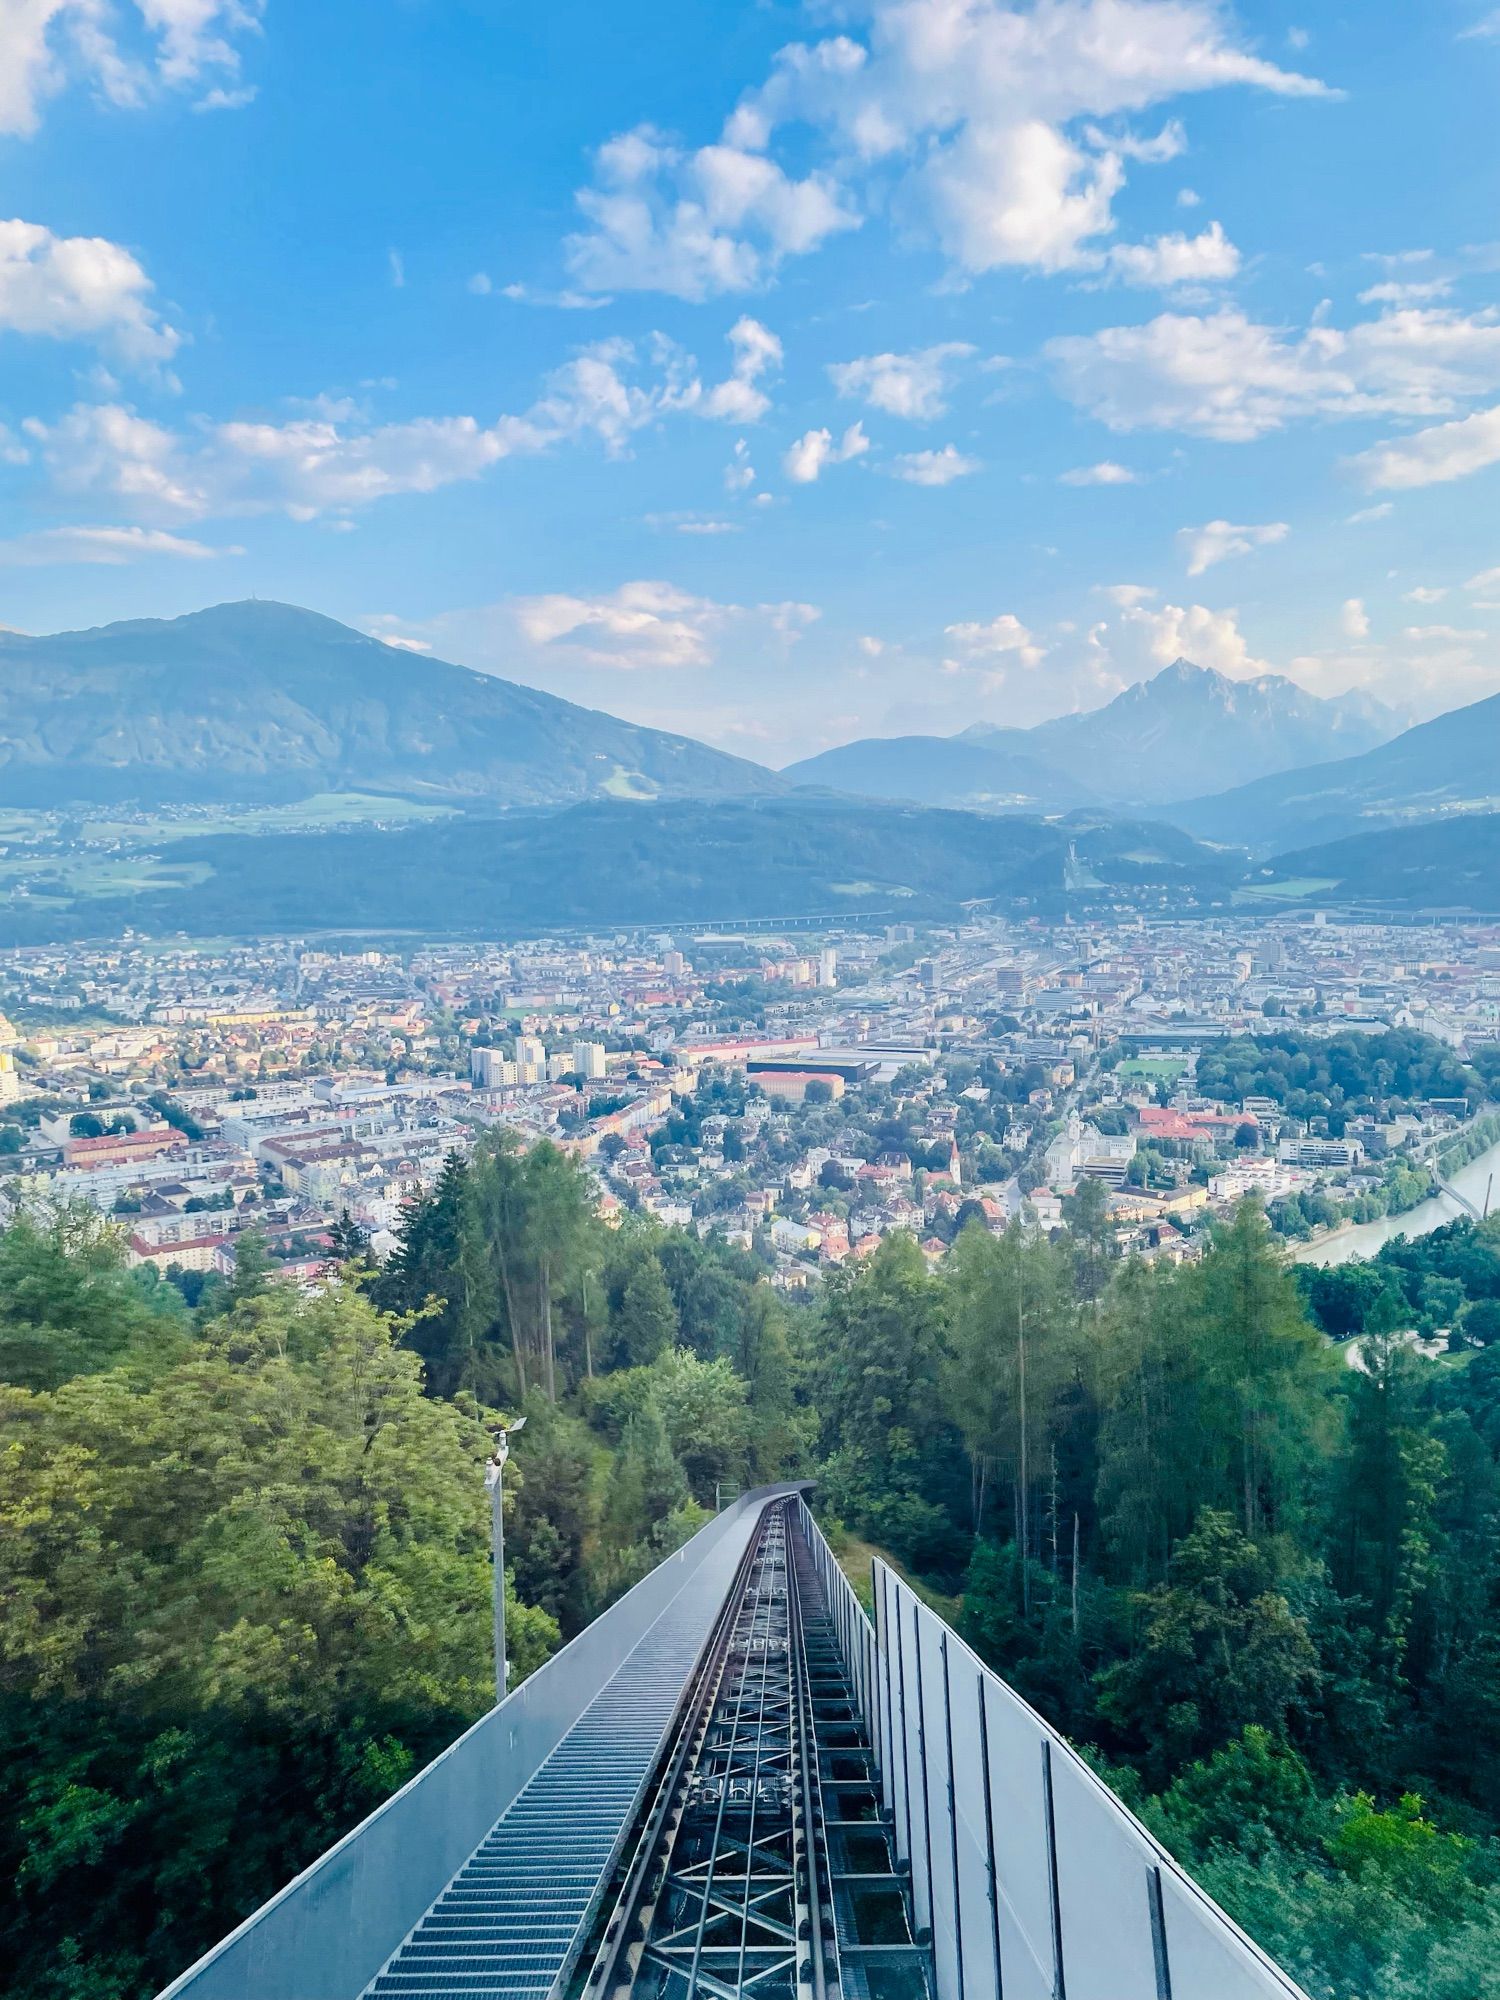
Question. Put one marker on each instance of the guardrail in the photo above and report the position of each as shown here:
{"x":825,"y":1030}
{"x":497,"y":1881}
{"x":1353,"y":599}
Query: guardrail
{"x":1031,"y":1879}
{"x":328,"y":1932}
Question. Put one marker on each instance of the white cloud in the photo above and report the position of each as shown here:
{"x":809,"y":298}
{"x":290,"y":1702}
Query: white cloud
{"x":1105,"y":473}
{"x":219,"y":99}
{"x":693,"y":524}
{"x":80,"y":288}
{"x":648,"y":624}
{"x":1432,"y":457}
{"x":1354,"y":620}
{"x":757,"y":351}
{"x":1170,"y":143}
{"x":1363,"y":515}
{"x":1217,"y":540}
{"x":1425,"y":594}
{"x":130,"y":54}
{"x":47,"y":546}
{"x":526,"y":295}
{"x":1486,"y":28}
{"x":695,"y":224}
{"x":934,"y":468}
{"x":957,"y":113}
{"x":1225,"y":376}
{"x":1176,"y":260}
{"x":1193,"y":632}
{"x":739,"y":474}
{"x":332,"y":456}
{"x":871,"y":647}
{"x":805,"y":459}
{"x":1189,"y":198}
{"x":1127,"y":595}
{"x":1002,"y":635}
{"x":903,"y":385}
{"x":1487,"y":580}
{"x":1400,"y":292}
{"x":639,"y":625}
{"x":398,"y":268}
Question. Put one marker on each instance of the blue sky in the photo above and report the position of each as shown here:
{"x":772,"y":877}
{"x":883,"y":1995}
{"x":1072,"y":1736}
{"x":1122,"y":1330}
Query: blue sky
{"x":780,"y":374}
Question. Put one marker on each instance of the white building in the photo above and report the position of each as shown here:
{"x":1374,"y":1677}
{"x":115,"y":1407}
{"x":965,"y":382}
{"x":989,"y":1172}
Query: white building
{"x":588,"y":1060}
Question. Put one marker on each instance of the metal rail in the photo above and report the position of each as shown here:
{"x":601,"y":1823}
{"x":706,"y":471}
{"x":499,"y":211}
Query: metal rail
{"x":742,"y":1882}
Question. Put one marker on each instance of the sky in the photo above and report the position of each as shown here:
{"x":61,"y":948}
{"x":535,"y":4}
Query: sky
{"x":778,"y":374}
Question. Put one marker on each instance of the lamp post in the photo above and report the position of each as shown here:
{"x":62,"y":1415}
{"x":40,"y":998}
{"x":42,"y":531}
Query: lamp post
{"x":494,"y":1473}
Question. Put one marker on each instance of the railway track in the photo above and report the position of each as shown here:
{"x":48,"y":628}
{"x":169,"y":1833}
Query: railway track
{"x":764,"y":1864}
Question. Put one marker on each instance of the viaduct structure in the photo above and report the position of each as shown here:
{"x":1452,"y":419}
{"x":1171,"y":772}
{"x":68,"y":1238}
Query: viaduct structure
{"x":736,"y":1782}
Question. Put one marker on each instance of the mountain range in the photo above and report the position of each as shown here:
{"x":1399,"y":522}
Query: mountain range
{"x":1155,"y":742}
{"x":1445,"y":864}
{"x":259,"y":702}
{"x":1448,"y":765}
{"x":267,"y":705}
{"x":606,"y":862}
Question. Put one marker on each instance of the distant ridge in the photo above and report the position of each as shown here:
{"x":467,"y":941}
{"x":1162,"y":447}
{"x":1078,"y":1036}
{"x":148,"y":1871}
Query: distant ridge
{"x":263,"y":702}
{"x":1182,"y":731}
{"x":1448,"y":765}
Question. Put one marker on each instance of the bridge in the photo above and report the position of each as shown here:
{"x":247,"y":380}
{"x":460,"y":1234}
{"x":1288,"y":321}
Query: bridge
{"x":1470,"y":1208}
{"x":737,"y":1782}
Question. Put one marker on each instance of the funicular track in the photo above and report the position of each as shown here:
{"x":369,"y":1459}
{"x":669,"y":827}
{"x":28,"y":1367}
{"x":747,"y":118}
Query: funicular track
{"x":764,"y":1865}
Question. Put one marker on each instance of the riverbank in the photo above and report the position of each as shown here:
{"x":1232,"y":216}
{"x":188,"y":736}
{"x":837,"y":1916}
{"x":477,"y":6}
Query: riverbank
{"x":1348,"y":1240}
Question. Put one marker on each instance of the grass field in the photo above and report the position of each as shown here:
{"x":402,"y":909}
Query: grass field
{"x":60,"y":880}
{"x":311,"y":815}
{"x":1164,"y":1068}
{"x":1292,"y":889}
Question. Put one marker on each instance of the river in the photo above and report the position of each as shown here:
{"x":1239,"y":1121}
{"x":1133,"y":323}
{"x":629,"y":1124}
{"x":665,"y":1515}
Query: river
{"x":1363,"y":1239}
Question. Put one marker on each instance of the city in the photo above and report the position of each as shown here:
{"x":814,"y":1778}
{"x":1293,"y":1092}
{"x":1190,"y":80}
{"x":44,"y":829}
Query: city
{"x":798,"y":1096}
{"x":750,"y":1000}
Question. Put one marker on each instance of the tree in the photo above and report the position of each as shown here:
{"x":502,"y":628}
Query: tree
{"x":350,"y":1243}
{"x":1009,"y":1356}
{"x":645,"y":1324}
{"x":1220,"y":1649}
{"x":252,"y":1267}
{"x":1086,"y":1212}
{"x":68,"y":1305}
{"x":704,"y":1410}
{"x":443,"y":1276}
{"x":889,"y":1451}
{"x":1480,"y":1322}
{"x":1267,"y":1376}
{"x":240,"y":1600}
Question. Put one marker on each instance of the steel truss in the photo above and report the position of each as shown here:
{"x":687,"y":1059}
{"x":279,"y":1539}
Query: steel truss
{"x":742,"y":1884}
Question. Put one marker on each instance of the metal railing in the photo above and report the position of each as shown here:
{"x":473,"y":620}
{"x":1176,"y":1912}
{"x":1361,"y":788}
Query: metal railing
{"x":1031,"y":1879}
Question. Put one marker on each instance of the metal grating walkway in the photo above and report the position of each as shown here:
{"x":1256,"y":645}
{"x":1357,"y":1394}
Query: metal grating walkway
{"x":511,"y":1920}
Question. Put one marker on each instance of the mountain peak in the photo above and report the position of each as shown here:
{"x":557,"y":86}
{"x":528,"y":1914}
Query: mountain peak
{"x":262,"y":701}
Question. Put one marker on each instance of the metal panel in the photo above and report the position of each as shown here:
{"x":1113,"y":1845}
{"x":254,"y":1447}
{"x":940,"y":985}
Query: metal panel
{"x":931,"y":1637}
{"x":1103,"y":1869}
{"x":1208,"y":1955}
{"x":978,"y":1891}
{"x":1061,"y":1893}
{"x":329,"y":1932}
{"x":1020,"y":1846}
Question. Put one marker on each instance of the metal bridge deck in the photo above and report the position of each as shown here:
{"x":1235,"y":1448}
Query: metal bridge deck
{"x":765,"y":1862}
{"x":511,"y":1920}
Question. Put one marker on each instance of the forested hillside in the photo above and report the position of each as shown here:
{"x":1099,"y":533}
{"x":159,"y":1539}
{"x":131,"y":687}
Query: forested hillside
{"x":243,"y":1558}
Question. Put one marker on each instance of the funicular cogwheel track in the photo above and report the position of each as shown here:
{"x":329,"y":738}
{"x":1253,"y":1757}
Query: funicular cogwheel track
{"x":765,"y":1865}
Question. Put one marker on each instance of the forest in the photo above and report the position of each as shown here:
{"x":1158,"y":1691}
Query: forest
{"x":1221,"y":1524}
{"x":1333,"y":1077}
